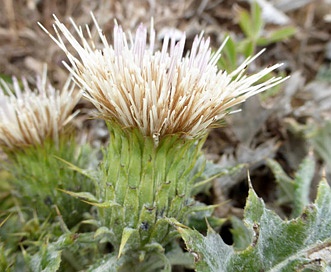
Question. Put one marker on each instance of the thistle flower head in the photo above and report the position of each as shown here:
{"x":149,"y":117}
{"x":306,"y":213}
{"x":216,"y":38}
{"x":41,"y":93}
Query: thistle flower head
{"x":29,"y":116}
{"x":158,"y":91}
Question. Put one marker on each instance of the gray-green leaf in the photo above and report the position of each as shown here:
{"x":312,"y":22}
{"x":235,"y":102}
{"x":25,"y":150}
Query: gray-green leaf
{"x":301,"y":244}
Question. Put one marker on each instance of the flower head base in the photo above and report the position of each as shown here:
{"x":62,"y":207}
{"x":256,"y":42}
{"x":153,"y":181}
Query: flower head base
{"x":159,"y":91}
{"x":28,"y":117}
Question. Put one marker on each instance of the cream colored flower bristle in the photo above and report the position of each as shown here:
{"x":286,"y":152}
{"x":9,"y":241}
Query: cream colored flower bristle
{"x":30,"y":116}
{"x":160,"y":92}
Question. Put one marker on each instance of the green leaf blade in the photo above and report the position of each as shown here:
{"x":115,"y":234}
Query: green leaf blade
{"x":208,"y":250}
{"x":302,"y":182}
{"x":300,"y":244}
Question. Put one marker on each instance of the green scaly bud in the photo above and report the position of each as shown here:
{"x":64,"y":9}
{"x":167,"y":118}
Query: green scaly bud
{"x":147,"y":184}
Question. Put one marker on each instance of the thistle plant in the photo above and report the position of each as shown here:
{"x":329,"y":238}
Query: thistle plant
{"x":34,"y":133}
{"x":159,"y":105}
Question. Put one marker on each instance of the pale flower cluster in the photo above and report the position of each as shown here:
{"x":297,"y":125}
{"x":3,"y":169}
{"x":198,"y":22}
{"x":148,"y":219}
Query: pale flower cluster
{"x":30,"y":116}
{"x":159,"y":91}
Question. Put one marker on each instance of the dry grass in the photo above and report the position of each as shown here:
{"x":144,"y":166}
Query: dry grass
{"x":24,"y":47}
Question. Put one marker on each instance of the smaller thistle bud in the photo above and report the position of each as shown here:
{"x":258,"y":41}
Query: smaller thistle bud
{"x":33,"y":133}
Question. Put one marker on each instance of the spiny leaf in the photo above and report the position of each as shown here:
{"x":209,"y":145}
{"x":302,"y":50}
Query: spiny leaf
{"x":73,"y":167}
{"x":213,"y":171}
{"x":229,"y":59}
{"x":202,"y":214}
{"x":109,"y":263}
{"x":284,"y":182}
{"x":240,"y":233}
{"x":4,"y":220}
{"x":48,"y":259}
{"x":127,"y":232}
{"x":302,"y":181}
{"x":321,"y":140}
{"x":87,"y":196}
{"x":210,"y":252}
{"x":246,"y":22}
{"x":106,"y":204}
{"x":257,"y":20}
{"x":103,"y":234}
{"x":301,"y":244}
{"x":176,"y":256}
{"x":295,"y":191}
{"x":277,"y":35}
